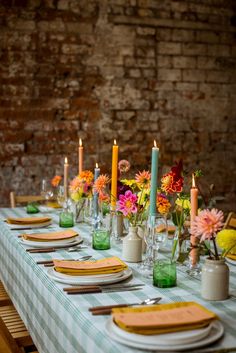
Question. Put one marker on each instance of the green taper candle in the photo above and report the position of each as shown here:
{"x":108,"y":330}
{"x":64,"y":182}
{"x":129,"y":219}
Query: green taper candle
{"x":154,"y":173}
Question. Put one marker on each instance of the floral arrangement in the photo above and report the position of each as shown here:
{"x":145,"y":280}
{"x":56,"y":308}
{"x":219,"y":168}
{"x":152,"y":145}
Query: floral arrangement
{"x":81,"y":186}
{"x":205,"y":227}
{"x":56,"y":181}
{"x":133,"y":202}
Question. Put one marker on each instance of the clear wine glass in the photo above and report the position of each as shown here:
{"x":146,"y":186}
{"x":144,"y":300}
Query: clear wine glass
{"x":60,"y":195}
{"x":46,"y":190}
{"x":153,"y":240}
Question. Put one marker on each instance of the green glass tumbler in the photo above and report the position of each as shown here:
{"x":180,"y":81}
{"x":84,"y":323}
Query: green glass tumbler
{"x":164,"y":273}
{"x":101,"y":239}
{"x":66,"y":219}
{"x":32,"y":208}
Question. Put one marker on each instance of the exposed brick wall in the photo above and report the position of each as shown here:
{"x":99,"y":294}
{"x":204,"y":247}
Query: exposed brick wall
{"x":133,"y":70}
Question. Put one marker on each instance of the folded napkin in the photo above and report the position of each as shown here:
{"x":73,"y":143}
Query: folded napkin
{"x":232,"y":256}
{"x":164,"y":318}
{"x":161,"y":228}
{"x":86,"y":268}
{"x":53,"y":204}
{"x":65,"y":234}
{"x":28,"y":220}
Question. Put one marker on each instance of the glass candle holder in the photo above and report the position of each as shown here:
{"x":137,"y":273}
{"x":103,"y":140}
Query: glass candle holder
{"x":32,"y":208}
{"x":101,"y":239}
{"x":66,"y":219}
{"x":164,"y":273}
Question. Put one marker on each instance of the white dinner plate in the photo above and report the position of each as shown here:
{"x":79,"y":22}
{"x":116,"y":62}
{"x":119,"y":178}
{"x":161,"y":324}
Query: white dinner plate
{"x":230,"y":261}
{"x":30,"y":226}
{"x":84,"y":281}
{"x":176,"y":338}
{"x":89,"y":278}
{"x":56,"y":243}
{"x":216,"y":331}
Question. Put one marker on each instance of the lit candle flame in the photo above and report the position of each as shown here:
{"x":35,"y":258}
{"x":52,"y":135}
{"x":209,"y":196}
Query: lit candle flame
{"x":193,"y":181}
{"x":80,"y":142}
{"x":114,"y":142}
{"x":66,"y":160}
{"x":155,"y":143}
{"x":96,"y":165}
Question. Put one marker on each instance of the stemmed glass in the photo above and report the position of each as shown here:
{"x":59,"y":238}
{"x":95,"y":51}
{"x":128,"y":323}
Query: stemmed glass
{"x":46,"y":190}
{"x":153,"y":240}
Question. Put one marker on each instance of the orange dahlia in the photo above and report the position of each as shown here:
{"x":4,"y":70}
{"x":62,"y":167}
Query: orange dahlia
{"x":163,"y":204}
{"x":56,"y":180}
{"x":143,"y":179}
{"x":86,"y":176}
{"x":100,"y":183}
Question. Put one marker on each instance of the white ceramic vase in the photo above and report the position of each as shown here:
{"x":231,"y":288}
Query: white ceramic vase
{"x":215,"y":280}
{"x":132,"y":246}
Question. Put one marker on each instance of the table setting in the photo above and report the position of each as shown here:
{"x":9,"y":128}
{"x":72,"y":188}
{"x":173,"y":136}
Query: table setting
{"x":148,"y":288}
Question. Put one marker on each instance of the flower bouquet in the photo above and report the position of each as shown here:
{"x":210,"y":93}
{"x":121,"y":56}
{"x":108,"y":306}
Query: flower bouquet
{"x":81,"y":190}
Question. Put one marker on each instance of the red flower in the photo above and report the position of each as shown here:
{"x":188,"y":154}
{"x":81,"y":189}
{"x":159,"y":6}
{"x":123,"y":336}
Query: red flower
{"x":173,"y":181}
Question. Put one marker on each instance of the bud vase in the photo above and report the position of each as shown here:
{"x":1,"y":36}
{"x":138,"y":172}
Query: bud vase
{"x":132,"y":246}
{"x":79,"y":210}
{"x":215,"y":280}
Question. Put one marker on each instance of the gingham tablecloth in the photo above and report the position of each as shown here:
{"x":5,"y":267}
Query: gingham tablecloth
{"x":59,"y":323}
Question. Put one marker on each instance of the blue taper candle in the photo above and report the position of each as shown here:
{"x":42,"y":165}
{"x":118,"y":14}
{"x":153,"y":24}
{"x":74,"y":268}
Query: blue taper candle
{"x":154,"y":174}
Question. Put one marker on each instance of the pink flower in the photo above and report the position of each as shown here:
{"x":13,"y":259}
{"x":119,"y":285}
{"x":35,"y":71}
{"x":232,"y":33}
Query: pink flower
{"x":123,"y":166}
{"x":127,"y":203}
{"x":207,"y":224}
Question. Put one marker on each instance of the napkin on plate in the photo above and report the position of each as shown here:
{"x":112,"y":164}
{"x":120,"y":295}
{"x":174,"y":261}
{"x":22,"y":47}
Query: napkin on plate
{"x":86,"y":268}
{"x":232,"y":256}
{"x":164,"y":318}
{"x":162,"y":228}
{"x":53,"y":204}
{"x":28,"y":220}
{"x":62,"y":235}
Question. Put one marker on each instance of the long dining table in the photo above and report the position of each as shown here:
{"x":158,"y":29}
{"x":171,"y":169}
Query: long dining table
{"x":62,"y":323}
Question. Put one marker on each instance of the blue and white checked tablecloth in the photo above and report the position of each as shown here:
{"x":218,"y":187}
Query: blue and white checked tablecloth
{"x":59,"y":323}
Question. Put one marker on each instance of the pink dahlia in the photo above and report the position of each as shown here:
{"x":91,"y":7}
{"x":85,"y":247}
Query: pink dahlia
{"x":127,"y":203}
{"x":207,"y":224}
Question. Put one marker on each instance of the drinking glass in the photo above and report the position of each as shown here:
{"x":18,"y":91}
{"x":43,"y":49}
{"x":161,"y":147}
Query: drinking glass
{"x":46,"y":189}
{"x":66,"y":219}
{"x":164,"y":273}
{"x":153,"y":240}
{"x":60,"y":195}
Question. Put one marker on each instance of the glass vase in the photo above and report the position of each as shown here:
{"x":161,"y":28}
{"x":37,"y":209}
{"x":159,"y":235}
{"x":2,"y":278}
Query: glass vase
{"x":180,"y":247}
{"x":164,"y":273}
{"x":79,"y":210}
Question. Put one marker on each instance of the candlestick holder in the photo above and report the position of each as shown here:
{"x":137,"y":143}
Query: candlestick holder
{"x":117,"y":226}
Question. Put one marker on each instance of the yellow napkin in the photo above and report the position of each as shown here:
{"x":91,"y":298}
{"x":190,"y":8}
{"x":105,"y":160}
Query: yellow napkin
{"x":53,"y":204}
{"x":28,"y":220}
{"x":232,"y":256}
{"x":65,"y":234}
{"x":164,"y":318}
{"x":161,"y":228}
{"x":86,"y":268}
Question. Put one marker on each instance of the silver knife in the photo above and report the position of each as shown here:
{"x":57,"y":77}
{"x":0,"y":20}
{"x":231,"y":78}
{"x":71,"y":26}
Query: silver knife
{"x":102,"y":290}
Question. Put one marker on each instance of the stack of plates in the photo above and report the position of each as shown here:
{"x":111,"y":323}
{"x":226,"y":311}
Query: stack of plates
{"x":92,"y":279}
{"x":176,"y":341}
{"x":54,"y":243}
{"x":231,"y":261}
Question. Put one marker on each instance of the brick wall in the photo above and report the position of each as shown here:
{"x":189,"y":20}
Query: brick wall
{"x":134,"y":70}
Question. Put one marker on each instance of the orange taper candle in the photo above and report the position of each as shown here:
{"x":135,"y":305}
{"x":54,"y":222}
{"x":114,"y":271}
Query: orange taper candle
{"x":193,"y":214}
{"x":114,"y":175}
{"x":81,"y":156}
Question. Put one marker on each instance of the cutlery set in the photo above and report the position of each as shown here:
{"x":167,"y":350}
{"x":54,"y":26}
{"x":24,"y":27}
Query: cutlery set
{"x":107,"y":309}
{"x":53,"y":249}
{"x":49,"y":263}
{"x":102,"y":289}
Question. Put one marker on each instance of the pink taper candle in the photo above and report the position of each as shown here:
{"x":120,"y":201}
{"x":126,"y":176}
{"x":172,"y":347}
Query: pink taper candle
{"x":193,"y":214}
{"x":66,"y":172}
{"x":81,"y":156}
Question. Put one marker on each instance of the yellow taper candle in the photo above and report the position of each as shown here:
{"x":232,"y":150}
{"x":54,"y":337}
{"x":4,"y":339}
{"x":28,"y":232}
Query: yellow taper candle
{"x":66,"y":172}
{"x":193,"y":214}
{"x":114,"y":174}
{"x":80,"y":156}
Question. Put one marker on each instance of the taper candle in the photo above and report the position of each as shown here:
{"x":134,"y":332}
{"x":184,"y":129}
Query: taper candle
{"x":114,"y":175}
{"x":95,"y":196}
{"x":66,"y":172}
{"x":80,"y":156}
{"x":154,"y":174}
{"x":194,"y":208}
